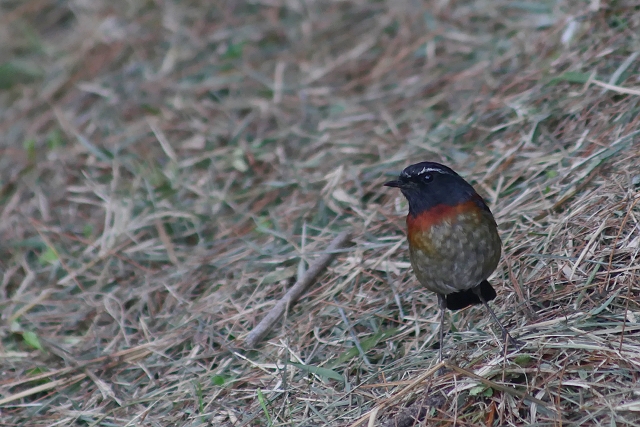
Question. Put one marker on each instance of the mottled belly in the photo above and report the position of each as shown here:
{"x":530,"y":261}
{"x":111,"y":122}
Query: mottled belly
{"x":458,"y":254}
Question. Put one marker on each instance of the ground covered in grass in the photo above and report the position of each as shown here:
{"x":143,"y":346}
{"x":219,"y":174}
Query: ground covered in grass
{"x":169,"y":169}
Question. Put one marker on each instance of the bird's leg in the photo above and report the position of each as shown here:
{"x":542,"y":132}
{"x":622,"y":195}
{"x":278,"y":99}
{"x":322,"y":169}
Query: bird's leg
{"x":442,"y":302}
{"x":505,"y":333}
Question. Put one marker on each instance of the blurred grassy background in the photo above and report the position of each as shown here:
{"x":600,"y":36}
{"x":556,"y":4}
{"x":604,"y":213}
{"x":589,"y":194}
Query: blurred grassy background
{"x":168,"y":169}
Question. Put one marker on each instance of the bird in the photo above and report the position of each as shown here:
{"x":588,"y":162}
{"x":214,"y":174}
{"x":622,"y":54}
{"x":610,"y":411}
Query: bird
{"x":454,"y":244}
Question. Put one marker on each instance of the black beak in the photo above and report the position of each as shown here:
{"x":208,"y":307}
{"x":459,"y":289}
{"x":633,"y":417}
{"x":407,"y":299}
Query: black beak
{"x":395,"y":184}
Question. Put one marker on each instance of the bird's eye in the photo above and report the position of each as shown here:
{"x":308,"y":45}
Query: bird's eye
{"x":428,"y":177}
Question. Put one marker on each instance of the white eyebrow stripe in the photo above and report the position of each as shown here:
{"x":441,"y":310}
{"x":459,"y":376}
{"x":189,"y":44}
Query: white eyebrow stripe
{"x":424,"y":170}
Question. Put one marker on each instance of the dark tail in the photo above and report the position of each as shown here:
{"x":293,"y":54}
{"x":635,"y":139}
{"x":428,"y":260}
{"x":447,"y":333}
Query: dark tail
{"x":462,"y":299}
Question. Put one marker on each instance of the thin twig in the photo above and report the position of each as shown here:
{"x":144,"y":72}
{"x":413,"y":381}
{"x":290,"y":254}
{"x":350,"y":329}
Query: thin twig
{"x":263,"y":328}
{"x":354,"y":336}
{"x":524,"y":396}
{"x":397,"y":396}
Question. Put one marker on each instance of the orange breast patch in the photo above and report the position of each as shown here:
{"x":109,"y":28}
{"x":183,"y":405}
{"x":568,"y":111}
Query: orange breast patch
{"x":427,"y":219}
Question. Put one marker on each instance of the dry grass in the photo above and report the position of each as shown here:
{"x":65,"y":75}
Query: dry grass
{"x":168,"y":169}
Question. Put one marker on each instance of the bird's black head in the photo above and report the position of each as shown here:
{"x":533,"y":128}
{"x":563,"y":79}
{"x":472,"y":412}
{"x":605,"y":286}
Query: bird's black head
{"x":429,"y":184}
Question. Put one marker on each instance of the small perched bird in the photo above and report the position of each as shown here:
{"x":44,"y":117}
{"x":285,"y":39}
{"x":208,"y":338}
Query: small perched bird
{"x":454,"y":244}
